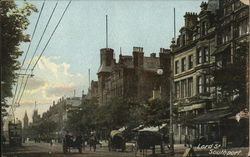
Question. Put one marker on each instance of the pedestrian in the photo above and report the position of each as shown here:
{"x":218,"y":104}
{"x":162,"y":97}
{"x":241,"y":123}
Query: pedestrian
{"x":51,"y":142}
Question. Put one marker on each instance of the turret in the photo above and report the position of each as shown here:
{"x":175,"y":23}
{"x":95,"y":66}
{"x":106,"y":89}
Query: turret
{"x":138,"y":56}
{"x":106,"y":60}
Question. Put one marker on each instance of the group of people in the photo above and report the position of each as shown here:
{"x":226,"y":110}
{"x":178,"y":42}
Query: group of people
{"x":75,"y":141}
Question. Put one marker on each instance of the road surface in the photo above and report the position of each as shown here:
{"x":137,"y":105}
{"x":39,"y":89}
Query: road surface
{"x":32,"y":149}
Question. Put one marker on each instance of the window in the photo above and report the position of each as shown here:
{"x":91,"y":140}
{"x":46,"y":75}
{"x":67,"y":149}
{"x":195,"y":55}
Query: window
{"x":177,"y":67}
{"x":206,"y":54}
{"x":177,"y":89}
{"x":184,"y":39}
{"x":207,"y":83}
{"x":219,"y":63}
{"x":199,"y":85}
{"x":226,"y":35}
{"x":228,"y":9}
{"x":183,"y":88}
{"x":190,"y":61}
{"x":204,"y":28}
{"x":199,"y":56}
{"x":190,"y":87}
{"x":243,"y":27}
{"x":183,"y":64}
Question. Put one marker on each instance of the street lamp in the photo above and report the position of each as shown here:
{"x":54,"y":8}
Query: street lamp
{"x":160,"y":71}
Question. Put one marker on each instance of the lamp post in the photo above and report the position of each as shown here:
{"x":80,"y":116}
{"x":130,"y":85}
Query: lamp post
{"x":160,"y":71}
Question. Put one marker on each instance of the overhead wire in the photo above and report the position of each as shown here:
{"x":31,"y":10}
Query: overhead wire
{"x":51,"y":35}
{"x":27,"y":51}
{"x":37,"y":46}
{"x":46,"y":45}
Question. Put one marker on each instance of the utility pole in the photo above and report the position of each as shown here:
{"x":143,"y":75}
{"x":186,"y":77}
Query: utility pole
{"x":89,"y":79}
{"x":107,"y":31}
{"x":248,"y":70}
{"x":171,"y":87}
{"x":171,"y":129}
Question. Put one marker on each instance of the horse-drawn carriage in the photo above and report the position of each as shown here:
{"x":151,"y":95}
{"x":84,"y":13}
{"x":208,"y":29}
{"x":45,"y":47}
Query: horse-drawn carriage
{"x":117,"y":140}
{"x":148,"y":138}
{"x":69,"y":142}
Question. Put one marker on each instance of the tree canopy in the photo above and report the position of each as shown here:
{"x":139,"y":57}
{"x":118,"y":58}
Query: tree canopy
{"x":14,"y":21}
{"x":230,"y":80}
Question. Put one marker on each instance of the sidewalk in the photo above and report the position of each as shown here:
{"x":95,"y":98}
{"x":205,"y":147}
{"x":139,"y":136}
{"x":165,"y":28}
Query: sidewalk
{"x":179,"y":150}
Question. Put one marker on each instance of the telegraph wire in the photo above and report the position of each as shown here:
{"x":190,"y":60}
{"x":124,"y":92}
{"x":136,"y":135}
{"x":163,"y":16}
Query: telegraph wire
{"x":37,"y":46}
{"x":27,"y":51}
{"x":34,"y":32}
{"x":45,"y":46}
{"x":42,"y":34}
{"x":51,"y":36}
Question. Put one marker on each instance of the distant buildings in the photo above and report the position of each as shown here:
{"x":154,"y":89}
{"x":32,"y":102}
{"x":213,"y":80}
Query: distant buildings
{"x":36,"y":117}
{"x":25,"y":121}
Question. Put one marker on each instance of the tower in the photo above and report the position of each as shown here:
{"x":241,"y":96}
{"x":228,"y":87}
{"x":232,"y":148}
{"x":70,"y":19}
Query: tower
{"x":25,"y":121}
{"x":35,"y":117}
{"x":107,"y":62}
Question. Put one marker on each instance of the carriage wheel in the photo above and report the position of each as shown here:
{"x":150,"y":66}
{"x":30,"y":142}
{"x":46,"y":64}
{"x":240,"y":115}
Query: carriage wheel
{"x":80,"y":150}
{"x":65,"y":149}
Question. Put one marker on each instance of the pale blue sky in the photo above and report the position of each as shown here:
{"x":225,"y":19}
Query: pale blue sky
{"x":75,"y":45}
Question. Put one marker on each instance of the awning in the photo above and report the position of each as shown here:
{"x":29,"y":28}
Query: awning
{"x":114,"y":133}
{"x":211,"y":117}
{"x":220,"y":49}
{"x":153,"y":129}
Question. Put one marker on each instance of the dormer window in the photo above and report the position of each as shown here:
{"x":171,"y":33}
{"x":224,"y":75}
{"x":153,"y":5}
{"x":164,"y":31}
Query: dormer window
{"x":226,"y":35}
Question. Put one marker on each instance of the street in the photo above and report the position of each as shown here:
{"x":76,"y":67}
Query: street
{"x":32,"y":149}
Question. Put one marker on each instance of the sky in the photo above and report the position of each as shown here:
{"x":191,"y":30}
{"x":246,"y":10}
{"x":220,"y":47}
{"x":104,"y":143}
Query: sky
{"x":76,"y":44}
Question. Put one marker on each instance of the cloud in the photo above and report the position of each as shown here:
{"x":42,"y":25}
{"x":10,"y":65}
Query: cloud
{"x":35,"y":83}
{"x":60,"y":90}
{"x":53,"y":78}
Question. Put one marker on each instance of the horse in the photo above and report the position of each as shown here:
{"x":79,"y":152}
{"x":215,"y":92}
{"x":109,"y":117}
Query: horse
{"x":92,"y":141}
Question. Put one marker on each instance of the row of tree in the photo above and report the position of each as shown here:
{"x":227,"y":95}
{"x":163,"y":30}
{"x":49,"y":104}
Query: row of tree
{"x":116,"y":114}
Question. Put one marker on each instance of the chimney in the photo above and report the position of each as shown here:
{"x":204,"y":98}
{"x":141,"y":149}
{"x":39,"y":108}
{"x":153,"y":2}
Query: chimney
{"x":190,"y":19}
{"x":138,"y":56}
{"x":137,"y":49}
{"x":153,"y":55}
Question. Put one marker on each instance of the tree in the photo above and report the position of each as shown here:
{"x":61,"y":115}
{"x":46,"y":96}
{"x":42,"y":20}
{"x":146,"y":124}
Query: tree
{"x":14,"y":22}
{"x":84,"y":118}
{"x":156,"y":112}
{"x":230,"y":80}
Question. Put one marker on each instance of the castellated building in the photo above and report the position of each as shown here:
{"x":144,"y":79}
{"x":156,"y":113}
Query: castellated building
{"x":132,"y":78}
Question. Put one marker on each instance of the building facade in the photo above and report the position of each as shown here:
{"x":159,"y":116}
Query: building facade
{"x":132,"y":78}
{"x":208,"y":40}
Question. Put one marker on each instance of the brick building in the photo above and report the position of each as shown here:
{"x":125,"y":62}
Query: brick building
{"x":132,"y":78}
